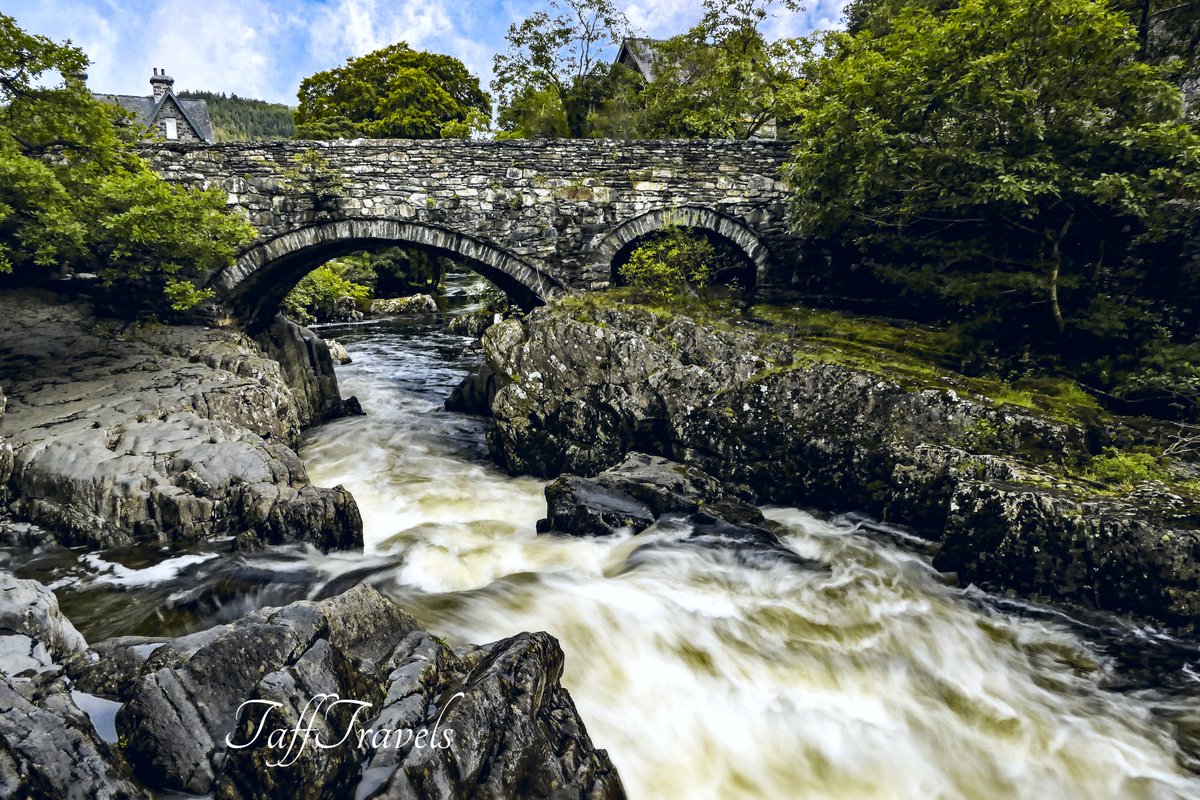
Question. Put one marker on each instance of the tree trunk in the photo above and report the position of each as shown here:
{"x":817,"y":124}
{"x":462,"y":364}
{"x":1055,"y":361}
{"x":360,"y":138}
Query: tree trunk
{"x":1055,"y":269}
{"x":1144,"y":30}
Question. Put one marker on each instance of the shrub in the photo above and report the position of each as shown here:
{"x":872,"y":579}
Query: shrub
{"x":674,"y":261}
{"x":315,"y":297}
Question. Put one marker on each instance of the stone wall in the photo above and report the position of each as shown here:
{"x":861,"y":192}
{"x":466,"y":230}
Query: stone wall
{"x":544,"y":214}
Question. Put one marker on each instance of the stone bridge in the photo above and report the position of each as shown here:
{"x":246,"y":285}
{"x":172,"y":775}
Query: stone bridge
{"x":536,"y":217}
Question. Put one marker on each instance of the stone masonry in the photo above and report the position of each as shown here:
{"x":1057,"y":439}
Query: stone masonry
{"x":538,"y":217}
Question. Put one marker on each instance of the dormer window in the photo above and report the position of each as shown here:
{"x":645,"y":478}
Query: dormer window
{"x":172,"y":128}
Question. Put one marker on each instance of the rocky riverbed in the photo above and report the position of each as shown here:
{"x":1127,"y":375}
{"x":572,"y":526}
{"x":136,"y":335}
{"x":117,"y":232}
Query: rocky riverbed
{"x":118,"y":434}
{"x":575,"y":386}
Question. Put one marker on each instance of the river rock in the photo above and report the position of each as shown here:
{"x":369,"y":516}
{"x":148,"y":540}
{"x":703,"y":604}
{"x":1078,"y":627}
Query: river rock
{"x":634,"y":494}
{"x":1100,"y":552}
{"x":474,"y":393}
{"x":473,"y":324}
{"x":29,"y":609}
{"x":644,"y":490}
{"x":417,"y":304}
{"x":164,"y":433}
{"x":515,"y":731}
{"x":338,"y":352}
{"x":49,"y":748}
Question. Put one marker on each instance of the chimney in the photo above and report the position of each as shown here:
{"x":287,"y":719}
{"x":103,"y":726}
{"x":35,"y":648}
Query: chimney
{"x":161,"y":83}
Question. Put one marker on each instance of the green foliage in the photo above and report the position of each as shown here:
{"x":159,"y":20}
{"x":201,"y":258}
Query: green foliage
{"x":1125,"y":470}
{"x":74,"y":194}
{"x":724,"y":78}
{"x":670,"y":263}
{"x":551,"y":77}
{"x":395,"y":92}
{"x":241,"y":119}
{"x":315,"y":297}
{"x":399,"y":271}
{"x":721,"y":79}
{"x":477,"y":125}
{"x":1009,"y":166}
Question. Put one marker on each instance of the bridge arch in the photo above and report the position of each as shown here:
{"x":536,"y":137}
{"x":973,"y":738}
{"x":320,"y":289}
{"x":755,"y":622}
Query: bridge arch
{"x":256,"y":284}
{"x":612,"y":250}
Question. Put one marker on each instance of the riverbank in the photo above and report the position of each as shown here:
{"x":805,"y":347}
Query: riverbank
{"x":1024,"y":489}
{"x":128,"y":434}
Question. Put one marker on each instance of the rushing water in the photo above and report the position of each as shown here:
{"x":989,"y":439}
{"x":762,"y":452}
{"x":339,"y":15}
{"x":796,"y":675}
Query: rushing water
{"x":704,"y":675}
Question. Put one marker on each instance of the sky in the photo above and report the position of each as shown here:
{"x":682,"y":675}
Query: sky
{"x":264,"y":49}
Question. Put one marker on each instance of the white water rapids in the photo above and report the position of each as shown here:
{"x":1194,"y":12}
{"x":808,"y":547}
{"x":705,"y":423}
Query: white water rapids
{"x":706,"y":677}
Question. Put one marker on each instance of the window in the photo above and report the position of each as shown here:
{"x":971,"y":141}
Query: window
{"x":172,"y":129}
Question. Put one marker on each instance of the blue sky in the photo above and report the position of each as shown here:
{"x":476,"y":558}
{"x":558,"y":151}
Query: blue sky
{"x":264,"y":49}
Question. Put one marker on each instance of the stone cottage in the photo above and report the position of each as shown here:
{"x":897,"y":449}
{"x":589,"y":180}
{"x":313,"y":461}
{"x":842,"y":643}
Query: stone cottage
{"x":167,"y":116}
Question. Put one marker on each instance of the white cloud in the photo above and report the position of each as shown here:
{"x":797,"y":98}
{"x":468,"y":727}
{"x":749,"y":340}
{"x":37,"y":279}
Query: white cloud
{"x":356,"y":27}
{"x":217,"y":45}
{"x":665,"y":18}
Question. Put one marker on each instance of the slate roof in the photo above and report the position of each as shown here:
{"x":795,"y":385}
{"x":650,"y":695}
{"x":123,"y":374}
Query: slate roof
{"x":640,"y":53}
{"x":144,"y":110}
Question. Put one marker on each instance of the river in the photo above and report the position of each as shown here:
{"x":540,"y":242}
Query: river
{"x":704,"y":675}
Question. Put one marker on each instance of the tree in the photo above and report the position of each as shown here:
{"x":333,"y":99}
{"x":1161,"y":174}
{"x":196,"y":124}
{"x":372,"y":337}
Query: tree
{"x":75,"y":195}
{"x":724,"y":78}
{"x":549,"y":79}
{"x":395,"y":92}
{"x":1007,"y":163}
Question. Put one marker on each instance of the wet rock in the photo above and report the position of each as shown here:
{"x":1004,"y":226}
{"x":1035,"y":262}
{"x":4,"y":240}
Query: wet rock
{"x":504,"y":725}
{"x":635,"y":493}
{"x":30,"y":609}
{"x":644,"y":490}
{"x":1098,"y":552}
{"x":585,"y":507}
{"x":122,"y":434}
{"x":49,"y":748}
{"x":417,"y":304}
{"x":579,"y":390}
{"x":474,"y":393}
{"x":338,"y":352}
{"x":516,"y":732}
{"x":307,"y":368}
{"x":473,"y":324}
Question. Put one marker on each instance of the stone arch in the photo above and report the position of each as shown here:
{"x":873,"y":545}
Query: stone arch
{"x":256,"y":284}
{"x":733,"y":231}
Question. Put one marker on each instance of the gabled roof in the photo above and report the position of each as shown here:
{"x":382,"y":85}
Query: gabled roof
{"x":640,"y":54}
{"x":145,"y":109}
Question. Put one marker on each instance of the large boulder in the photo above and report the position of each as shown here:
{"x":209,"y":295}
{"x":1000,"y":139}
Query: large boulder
{"x":49,"y":748}
{"x":30,"y":610}
{"x":1099,"y":551}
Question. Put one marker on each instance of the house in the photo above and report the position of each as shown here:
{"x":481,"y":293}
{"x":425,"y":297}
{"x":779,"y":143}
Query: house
{"x":167,"y":116}
{"x":642,"y":55}
{"x":639,"y":55}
